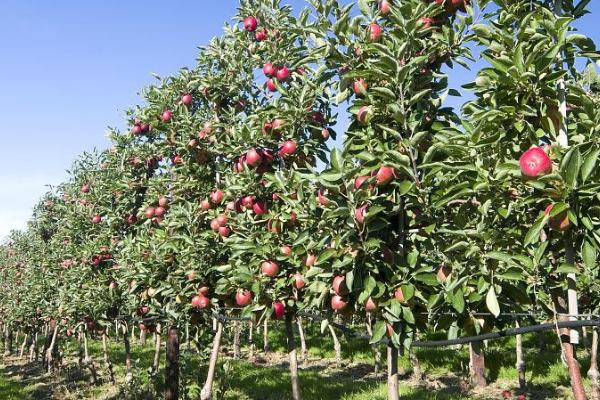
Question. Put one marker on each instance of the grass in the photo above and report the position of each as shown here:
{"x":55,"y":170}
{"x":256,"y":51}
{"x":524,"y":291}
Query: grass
{"x":444,"y":371}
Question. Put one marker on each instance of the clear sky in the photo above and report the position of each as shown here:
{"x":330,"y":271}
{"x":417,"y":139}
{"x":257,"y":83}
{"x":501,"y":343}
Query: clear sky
{"x":69,"y":69}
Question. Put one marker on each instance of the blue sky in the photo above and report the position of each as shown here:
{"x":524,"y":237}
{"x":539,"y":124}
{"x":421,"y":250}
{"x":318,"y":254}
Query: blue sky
{"x":70,"y":68}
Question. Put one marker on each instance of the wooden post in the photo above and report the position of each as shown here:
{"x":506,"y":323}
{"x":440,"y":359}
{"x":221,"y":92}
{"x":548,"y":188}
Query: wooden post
{"x":206,"y":393}
{"x":23,"y":346}
{"x":172,"y":365}
{"x":89,"y":361}
{"x":520,"y":364}
{"x":236,"y":340}
{"x":291,"y":348}
{"x":302,"y":340}
{"x":266,"y":347}
{"x":156,"y":363}
{"x":477,"y":365}
{"x":392,"y":366}
{"x":129,"y":373}
{"x":251,"y":341}
{"x":593,"y":371}
{"x":109,"y":366}
{"x":336,"y":346}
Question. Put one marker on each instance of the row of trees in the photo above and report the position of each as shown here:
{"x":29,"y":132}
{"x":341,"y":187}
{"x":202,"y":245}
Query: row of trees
{"x":423,"y":219}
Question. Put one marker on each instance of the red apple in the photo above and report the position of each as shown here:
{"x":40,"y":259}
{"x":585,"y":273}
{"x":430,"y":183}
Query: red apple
{"x":203,"y":290}
{"x":364,"y":115}
{"x":398,"y":295}
{"x":282,"y":74}
{"x":214,"y":225}
{"x":359,"y":180}
{"x":221,"y":219}
{"x":385,"y":7}
{"x":253,"y":157}
{"x":286,"y":250}
{"x":338,"y":303}
{"x":339,"y":285}
{"x":85,"y":188}
{"x":324,"y":201}
{"x":269,"y":268}
{"x":311,"y":260}
{"x":250,"y":24}
{"x":136,"y":130}
{"x":143,"y":310}
{"x":370,"y":305}
{"x":131,"y":219}
{"x":216,"y":197}
{"x":145,"y":127}
{"x":187,"y":99}
{"x":278,"y":309}
{"x":269,"y":70}
{"x":224,"y":231}
{"x":96,"y":219}
{"x":248,"y":201}
{"x":260,"y":35}
{"x":535,"y":162}
{"x":325,"y":133}
{"x":150,"y":212}
{"x":385,"y":175}
{"x":360,"y":213}
{"x":200,"y":302}
{"x":374,"y":32}
{"x":360,"y":87}
{"x":287,"y":148}
{"x":163,"y":202}
{"x":205,"y":205}
{"x":298,"y":282}
{"x":167,"y":115}
{"x":271,"y":85}
{"x":560,"y":222}
{"x":260,"y":208}
{"x":427,"y":21}
{"x":243,"y":297}
{"x":159,"y":211}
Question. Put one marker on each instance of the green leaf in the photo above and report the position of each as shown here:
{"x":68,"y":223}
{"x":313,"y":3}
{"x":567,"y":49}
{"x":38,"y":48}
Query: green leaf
{"x":378,"y":331}
{"x":589,"y":164}
{"x":533,"y":235}
{"x":572,"y":167}
{"x":491,"y":301}
{"x":588,"y":254}
{"x":566,"y":268}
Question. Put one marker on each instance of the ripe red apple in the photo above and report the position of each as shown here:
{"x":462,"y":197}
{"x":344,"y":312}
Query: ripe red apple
{"x":385,"y":7}
{"x":96,"y":219}
{"x":221,"y":219}
{"x":145,"y":127}
{"x":176,"y":160}
{"x":506,"y":394}
{"x":203,"y":290}
{"x":253,"y":157}
{"x":360,"y":213}
{"x":205,"y":205}
{"x":560,"y":222}
{"x":277,"y":124}
{"x":282,"y":74}
{"x":269,"y":70}
{"x":250,"y":24}
{"x":163,"y":202}
{"x":150,"y":212}
{"x":269,"y":268}
{"x":360,"y":87}
{"x":278,"y":309}
{"x":311,"y":260}
{"x":167,"y":115}
{"x":143,"y":310}
{"x":535,"y":162}
{"x":325,"y":133}
{"x":364,"y":115}
{"x":427,"y":21}
{"x":260,"y":208}
{"x":321,"y":198}
{"x":224,"y":231}
{"x":287,"y":148}
{"x":159,"y":211}
{"x":248,"y":201}
{"x":136,"y":130}
{"x":370,"y":305}
{"x":260,"y":35}
{"x":271,"y":85}
{"x":200,"y":302}
{"x":214,"y":225}
{"x":374,"y":31}
{"x":216,"y":197}
{"x":359,"y":180}
{"x":338,"y":303}
{"x":286,"y":250}
{"x":85,"y":188}
{"x":187,"y":99}
{"x":521,"y":397}
{"x":298,"y":282}
{"x":243,"y":297}
{"x":385,"y":175}
{"x":131,"y":219}
{"x":398,"y":295}
{"x":339,"y":285}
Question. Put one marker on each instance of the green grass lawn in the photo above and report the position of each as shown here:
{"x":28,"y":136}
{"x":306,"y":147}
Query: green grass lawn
{"x":444,"y":372}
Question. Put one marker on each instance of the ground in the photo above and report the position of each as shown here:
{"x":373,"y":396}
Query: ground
{"x":266,"y":377}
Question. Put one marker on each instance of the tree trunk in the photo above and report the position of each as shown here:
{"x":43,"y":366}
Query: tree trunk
{"x":172,"y":365}
{"x":291,"y":348}
{"x":251,"y":341}
{"x":336,"y":345}
{"x":206,"y":393}
{"x":129,"y":373}
{"x":417,"y":373}
{"x":477,"y":365}
{"x":109,"y":366}
{"x":266,"y":347}
{"x":33,"y":347}
{"x":23,"y":346}
{"x":156,"y":363}
{"x":89,"y":361}
{"x":520,"y":365}
{"x":47,"y":343}
{"x":376,"y":348}
{"x":392,"y":366}
{"x":302,"y":340}
{"x":236,"y":340}
{"x":142,"y":339}
{"x":593,"y":371}
{"x":8,"y":340}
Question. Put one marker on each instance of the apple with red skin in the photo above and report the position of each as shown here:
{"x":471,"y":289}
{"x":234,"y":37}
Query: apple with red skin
{"x":288,"y":148}
{"x":96,"y":219}
{"x":260,"y":35}
{"x":399,"y":295}
{"x":159,"y":211}
{"x":271,"y":85}
{"x":203,"y":290}
{"x":339,"y":285}
{"x":360,"y":213}
{"x":338,"y":303}
{"x":167,"y":115}
{"x":214,"y":225}
{"x":224,"y":231}
{"x":506,"y":394}
{"x":385,"y":7}
{"x":311,"y":260}
{"x":364,"y":115}
{"x":269,"y":70}
{"x":325,"y":133}
{"x":286,"y":250}
{"x":85,"y":188}
{"x":253,"y":157}
{"x":427,"y":21}
{"x":243,"y":297}
{"x":324,"y":201}
{"x":260,"y":208}
{"x":176,"y":159}
{"x":385,"y":175}
{"x":143,"y":310}
{"x":248,"y":201}
{"x":205,"y":205}
{"x":221,"y":219}
{"x":131,"y":219}
{"x":150,"y":212}
{"x":560,"y":222}
{"x":359,"y":180}
{"x":163,"y":202}
{"x":521,"y":397}
{"x":187,"y":99}
{"x":200,"y":302}
{"x":269,"y":268}
{"x":374,"y":31}
{"x":278,"y":309}
{"x":145,"y":128}
{"x":360,"y":87}
{"x":136,"y":130}
{"x":216,"y":197}
{"x":282,"y":74}
{"x":370,"y":305}
{"x":250,"y":23}
{"x":298,"y":281}
{"x":535,"y":162}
